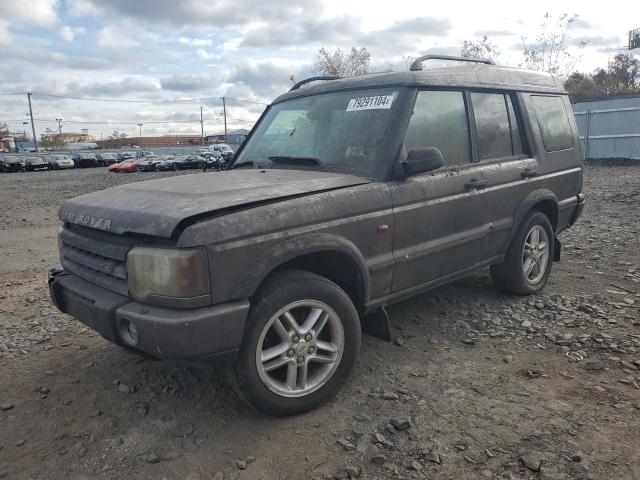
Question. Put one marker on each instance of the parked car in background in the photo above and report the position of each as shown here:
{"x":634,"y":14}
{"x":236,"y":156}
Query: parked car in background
{"x":126,"y":166}
{"x":59,"y":162}
{"x":185,"y":162}
{"x":164,"y":163}
{"x":106,"y":159}
{"x":33,"y":163}
{"x":221,"y":150}
{"x":124,"y":155}
{"x":85,"y":160}
{"x":144,"y":153}
{"x":10,"y":163}
{"x":147,"y":164}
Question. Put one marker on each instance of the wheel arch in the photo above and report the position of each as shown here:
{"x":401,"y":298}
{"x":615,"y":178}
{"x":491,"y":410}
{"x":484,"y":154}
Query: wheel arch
{"x":327,"y":255}
{"x":543,"y":200}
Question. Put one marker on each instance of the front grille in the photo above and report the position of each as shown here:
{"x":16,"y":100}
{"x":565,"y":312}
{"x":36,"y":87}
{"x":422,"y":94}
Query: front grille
{"x":99,"y":258}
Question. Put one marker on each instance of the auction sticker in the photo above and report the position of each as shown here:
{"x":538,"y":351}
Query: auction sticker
{"x":379,"y":102}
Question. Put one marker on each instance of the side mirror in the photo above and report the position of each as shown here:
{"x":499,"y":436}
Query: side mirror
{"x":422,"y":160}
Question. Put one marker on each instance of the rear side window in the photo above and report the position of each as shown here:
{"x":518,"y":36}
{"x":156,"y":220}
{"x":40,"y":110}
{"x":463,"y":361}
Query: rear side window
{"x":439,"y":120}
{"x":553,"y":122}
{"x":497,"y":126}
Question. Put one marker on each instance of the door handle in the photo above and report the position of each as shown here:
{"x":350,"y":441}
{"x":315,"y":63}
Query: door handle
{"x":528,"y":173}
{"x":475,"y":184}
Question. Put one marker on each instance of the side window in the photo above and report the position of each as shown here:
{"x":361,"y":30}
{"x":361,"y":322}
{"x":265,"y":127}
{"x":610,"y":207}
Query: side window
{"x":553,"y":122}
{"x":439,"y":120}
{"x":492,"y":125}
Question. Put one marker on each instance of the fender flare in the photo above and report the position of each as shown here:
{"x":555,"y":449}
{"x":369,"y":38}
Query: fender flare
{"x":526,"y":205}
{"x":296,"y":247}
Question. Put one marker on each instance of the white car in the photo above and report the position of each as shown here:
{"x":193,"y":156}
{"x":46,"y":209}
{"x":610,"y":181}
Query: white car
{"x":220,"y":150}
{"x":60,"y":162}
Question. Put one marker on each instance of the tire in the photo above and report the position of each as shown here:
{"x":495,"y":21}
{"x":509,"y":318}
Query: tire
{"x":297,"y":293}
{"x":510,"y":276}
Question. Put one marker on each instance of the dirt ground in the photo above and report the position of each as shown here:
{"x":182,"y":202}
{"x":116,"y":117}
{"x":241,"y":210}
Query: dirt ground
{"x":496,"y":387}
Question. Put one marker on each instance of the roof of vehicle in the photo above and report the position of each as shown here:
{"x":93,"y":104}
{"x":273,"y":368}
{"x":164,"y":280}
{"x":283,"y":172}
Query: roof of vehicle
{"x":462,"y":75}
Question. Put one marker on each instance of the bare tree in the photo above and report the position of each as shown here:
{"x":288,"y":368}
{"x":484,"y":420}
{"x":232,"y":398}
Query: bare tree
{"x":482,"y":48}
{"x":340,"y":64}
{"x":550,"y":51}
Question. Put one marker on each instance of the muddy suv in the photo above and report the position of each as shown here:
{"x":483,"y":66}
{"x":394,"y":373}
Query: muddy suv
{"x":348,"y":195}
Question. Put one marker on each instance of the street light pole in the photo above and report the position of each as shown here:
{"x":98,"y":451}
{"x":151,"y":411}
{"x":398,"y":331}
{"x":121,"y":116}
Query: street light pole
{"x":201,"y":126}
{"x":33,"y":127}
{"x":224,"y":109}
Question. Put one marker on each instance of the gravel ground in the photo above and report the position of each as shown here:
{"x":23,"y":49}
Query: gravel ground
{"x":479,"y":385}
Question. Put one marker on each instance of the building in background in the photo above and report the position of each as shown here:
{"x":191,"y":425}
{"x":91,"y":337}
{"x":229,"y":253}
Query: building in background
{"x":70,"y":137}
{"x":609,"y":128}
{"x":234,"y":137}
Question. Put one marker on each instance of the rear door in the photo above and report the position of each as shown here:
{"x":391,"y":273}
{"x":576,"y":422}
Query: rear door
{"x":506,"y":164}
{"x":440,"y":224}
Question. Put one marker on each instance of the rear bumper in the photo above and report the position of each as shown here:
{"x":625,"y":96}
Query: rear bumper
{"x":578,"y":211}
{"x":161,"y":332}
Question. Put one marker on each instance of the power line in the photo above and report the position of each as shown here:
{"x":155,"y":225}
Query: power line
{"x":122,"y":100}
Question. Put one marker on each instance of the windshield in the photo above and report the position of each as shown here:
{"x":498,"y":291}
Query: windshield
{"x":341,"y":132}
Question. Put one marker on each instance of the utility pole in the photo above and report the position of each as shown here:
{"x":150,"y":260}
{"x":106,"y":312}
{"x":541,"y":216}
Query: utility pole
{"x":33,"y":127}
{"x":201,"y":126}
{"x":224,"y":110}
{"x":140,"y":126}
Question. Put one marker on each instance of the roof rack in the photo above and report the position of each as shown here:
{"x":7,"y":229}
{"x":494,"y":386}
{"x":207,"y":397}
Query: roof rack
{"x":417,"y":63}
{"x":312,"y":79}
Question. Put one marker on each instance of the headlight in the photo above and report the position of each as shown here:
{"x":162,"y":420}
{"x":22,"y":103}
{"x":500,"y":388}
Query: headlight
{"x":169,"y":277}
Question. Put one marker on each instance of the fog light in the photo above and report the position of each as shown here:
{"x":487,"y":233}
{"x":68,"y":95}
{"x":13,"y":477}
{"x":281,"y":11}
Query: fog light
{"x":128,"y":332}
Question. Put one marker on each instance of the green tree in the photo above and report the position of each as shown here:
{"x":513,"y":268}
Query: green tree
{"x":4,"y":129}
{"x":337,"y":63}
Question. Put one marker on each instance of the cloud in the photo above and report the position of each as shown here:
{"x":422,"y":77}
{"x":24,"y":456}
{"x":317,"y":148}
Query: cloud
{"x":263,"y":80}
{"x":494,"y":33}
{"x":187,"y":82}
{"x":196,"y":42}
{"x":201,"y":12}
{"x":345,"y":31}
{"x":68,"y":33}
{"x":115,"y":36}
{"x":5,"y":35}
{"x":114,"y":89}
{"x":39,"y":13}
{"x":579,"y":23}
{"x":597,"y":41}
{"x":40,"y":57}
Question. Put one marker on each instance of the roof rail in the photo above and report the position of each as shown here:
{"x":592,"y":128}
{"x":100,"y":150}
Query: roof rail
{"x":417,"y":63}
{"x":312,"y":79}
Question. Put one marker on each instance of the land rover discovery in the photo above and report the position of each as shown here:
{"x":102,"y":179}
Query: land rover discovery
{"x":349,"y":194}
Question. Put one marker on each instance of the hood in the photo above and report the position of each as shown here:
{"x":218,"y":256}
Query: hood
{"x":158,"y":207}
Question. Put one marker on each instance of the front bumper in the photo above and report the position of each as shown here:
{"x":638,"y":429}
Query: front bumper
{"x":162,"y":332}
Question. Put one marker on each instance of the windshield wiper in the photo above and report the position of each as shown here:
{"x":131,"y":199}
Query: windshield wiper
{"x":298,"y":161}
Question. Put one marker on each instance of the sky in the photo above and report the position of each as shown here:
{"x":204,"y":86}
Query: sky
{"x":156,"y":62}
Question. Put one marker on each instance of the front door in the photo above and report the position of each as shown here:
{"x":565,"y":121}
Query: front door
{"x":441,"y":225}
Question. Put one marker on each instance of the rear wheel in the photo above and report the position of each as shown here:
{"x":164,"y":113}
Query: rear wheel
{"x":301,"y":342}
{"x":527,"y":265}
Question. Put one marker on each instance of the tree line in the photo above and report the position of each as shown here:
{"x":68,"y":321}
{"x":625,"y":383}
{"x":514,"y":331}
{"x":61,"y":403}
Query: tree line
{"x":551,"y":50}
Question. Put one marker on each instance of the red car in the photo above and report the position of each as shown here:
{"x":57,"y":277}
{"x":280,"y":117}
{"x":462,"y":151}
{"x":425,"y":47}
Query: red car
{"x":126,"y":166}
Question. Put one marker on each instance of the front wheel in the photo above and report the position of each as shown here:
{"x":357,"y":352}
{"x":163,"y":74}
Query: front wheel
{"x":301,"y":342}
{"x":527,"y":265}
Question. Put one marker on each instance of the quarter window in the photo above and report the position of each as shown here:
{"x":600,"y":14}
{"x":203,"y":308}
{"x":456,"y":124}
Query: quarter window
{"x":553,"y":122}
{"x":439,"y":120}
